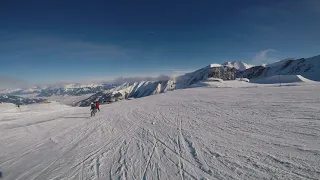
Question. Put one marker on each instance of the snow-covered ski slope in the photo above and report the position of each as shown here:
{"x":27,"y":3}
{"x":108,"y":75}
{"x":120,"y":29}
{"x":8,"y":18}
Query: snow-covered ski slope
{"x":197,"y":133}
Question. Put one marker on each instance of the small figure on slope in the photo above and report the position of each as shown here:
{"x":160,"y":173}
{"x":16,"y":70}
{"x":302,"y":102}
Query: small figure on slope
{"x":93,"y":109}
{"x":97,"y":105}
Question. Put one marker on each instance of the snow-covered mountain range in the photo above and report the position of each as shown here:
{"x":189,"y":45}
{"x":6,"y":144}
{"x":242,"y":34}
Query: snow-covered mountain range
{"x":130,"y":90}
{"x":239,"y":65}
{"x":75,"y":90}
{"x":309,"y":68}
{"x":147,"y":88}
{"x":19,"y":100}
{"x":20,"y":91}
{"x":70,"y":89}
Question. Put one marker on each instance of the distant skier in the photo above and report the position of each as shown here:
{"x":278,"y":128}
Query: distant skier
{"x":18,"y":106}
{"x":93,"y":109}
{"x":98,"y":105}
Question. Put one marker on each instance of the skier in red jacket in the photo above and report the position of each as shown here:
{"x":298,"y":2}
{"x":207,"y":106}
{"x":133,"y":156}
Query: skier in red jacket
{"x":97,"y":105}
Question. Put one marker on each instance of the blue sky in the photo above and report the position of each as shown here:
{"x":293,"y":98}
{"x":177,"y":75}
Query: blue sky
{"x":45,"y":42}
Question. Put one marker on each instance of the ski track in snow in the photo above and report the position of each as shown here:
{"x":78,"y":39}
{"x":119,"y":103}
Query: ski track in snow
{"x":199,"y":133}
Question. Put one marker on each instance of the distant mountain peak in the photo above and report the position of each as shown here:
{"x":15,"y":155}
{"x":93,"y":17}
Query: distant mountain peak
{"x":239,"y":65}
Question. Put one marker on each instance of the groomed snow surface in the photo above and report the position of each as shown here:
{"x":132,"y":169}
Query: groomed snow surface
{"x":197,"y":133}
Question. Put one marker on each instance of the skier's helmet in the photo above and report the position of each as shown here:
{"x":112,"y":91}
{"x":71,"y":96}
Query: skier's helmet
{"x":91,"y":102}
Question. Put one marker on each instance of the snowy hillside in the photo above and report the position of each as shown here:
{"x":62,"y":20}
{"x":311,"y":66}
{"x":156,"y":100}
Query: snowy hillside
{"x":147,"y":88}
{"x":130,"y":90}
{"x":211,"y":71}
{"x":4,"y":107}
{"x":219,"y":83}
{"x":304,"y":69}
{"x":198,"y":133}
{"x":308,"y":68}
{"x":282,"y":79}
{"x":239,"y":65}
